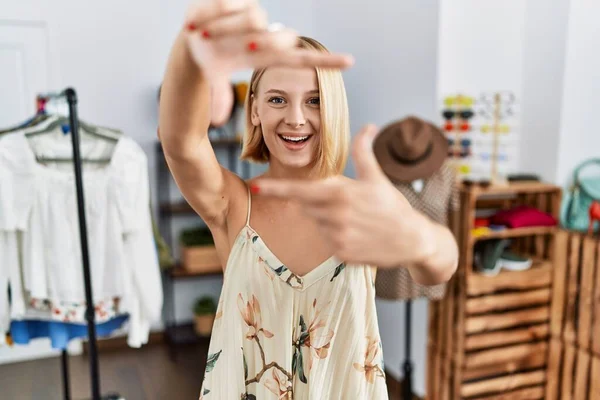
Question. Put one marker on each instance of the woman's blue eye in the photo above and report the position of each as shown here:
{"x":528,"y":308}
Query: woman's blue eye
{"x":276,"y":100}
{"x":315,"y":100}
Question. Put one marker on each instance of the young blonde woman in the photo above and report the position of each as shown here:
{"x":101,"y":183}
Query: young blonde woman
{"x":297,"y":317}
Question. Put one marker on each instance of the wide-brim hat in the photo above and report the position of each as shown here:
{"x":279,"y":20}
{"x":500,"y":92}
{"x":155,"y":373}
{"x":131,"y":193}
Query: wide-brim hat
{"x":410,"y":149}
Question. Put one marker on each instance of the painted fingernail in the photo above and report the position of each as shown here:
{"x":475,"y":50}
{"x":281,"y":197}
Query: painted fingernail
{"x":252,"y":46}
{"x":191,"y":26}
{"x":254,"y":189}
{"x":205,"y":34}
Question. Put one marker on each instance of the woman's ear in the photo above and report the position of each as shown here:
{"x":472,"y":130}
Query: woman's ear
{"x":254,"y":112}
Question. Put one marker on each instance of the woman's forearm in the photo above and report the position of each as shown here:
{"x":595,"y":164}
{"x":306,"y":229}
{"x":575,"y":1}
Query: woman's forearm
{"x":441,"y":258}
{"x":184,"y":115}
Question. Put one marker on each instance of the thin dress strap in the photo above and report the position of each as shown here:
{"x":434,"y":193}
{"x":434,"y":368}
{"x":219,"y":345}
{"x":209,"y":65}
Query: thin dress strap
{"x":249,"y":207}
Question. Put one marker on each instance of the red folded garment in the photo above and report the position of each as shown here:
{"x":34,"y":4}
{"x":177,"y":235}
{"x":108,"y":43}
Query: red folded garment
{"x":479,"y":222}
{"x":523,"y":216}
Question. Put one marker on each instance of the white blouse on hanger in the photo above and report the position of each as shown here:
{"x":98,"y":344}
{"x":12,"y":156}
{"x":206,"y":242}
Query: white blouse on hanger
{"x":39,"y":219}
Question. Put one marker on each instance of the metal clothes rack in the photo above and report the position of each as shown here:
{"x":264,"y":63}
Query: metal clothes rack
{"x":71,"y":97}
{"x":407,"y":366}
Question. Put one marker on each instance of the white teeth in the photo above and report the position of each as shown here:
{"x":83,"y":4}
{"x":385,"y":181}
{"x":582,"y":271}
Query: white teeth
{"x":295,"y":138}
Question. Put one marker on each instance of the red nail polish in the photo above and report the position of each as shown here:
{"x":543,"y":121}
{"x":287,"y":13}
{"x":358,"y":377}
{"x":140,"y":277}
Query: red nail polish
{"x":205,"y":34}
{"x":254,"y":189}
{"x":252,"y":46}
{"x":191,"y":26}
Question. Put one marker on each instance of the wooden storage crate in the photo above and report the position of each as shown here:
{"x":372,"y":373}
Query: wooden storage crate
{"x":488,"y":337}
{"x":200,"y":259}
{"x":574,"y":365}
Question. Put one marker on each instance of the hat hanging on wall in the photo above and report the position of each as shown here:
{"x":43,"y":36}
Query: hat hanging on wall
{"x":410,"y":149}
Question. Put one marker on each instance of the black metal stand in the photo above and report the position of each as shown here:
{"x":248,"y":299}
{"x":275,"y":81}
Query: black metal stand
{"x":71,"y":97}
{"x":407,"y":391}
{"x":89,"y":314}
{"x":64,"y":363}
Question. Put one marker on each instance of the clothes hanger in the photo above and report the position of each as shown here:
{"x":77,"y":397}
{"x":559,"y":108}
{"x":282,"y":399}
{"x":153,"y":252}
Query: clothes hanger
{"x":60,"y":120}
{"x":58,"y":109}
{"x":32,"y":122}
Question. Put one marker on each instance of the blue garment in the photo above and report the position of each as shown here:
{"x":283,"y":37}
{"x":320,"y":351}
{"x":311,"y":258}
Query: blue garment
{"x":60,"y":333}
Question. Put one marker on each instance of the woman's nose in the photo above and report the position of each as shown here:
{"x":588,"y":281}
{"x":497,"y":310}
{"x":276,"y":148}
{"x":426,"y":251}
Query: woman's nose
{"x":295,"y":117}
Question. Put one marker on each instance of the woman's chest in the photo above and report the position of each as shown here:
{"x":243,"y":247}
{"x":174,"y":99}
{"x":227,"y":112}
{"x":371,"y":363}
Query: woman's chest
{"x":292,"y":237}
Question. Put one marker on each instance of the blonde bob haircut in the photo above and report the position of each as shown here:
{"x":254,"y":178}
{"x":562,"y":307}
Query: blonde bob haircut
{"x":333,"y":147}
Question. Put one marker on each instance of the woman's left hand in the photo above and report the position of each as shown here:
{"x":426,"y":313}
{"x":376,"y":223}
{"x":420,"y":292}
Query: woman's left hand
{"x":367,"y":220}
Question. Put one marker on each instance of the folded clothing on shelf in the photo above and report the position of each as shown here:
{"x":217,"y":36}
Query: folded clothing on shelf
{"x":481,"y":222}
{"x":523,"y":216}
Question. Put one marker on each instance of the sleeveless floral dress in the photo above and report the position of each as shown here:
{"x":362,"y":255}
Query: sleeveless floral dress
{"x":281,"y":336}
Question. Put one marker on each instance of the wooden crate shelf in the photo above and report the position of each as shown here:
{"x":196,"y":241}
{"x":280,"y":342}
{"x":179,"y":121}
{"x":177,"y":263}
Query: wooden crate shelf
{"x":574,"y":357}
{"x":515,"y":233}
{"x":519,"y":362}
{"x":489,"y":338}
{"x":485,"y":340}
{"x":507,"y":301}
{"x":513,"y":189}
{"x":506,"y":320}
{"x":538,"y":276}
{"x":528,"y":393}
{"x":503,"y":383}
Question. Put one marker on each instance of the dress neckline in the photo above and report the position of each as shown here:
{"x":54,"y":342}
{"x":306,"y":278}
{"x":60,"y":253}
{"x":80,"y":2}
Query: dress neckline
{"x":331,"y":266}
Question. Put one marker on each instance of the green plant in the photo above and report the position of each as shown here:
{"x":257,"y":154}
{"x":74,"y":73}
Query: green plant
{"x":205,"y":306}
{"x":196,"y":237}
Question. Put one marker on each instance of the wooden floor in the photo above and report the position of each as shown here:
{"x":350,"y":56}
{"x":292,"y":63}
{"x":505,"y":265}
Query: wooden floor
{"x":136,"y":374}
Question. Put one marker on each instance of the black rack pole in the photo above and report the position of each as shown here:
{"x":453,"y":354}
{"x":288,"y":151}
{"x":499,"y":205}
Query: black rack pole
{"x":89,"y":314}
{"x":64,"y":362}
{"x":407,"y":391}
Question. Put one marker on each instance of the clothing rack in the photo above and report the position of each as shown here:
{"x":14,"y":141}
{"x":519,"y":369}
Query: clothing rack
{"x":407,"y":366}
{"x":71,"y":96}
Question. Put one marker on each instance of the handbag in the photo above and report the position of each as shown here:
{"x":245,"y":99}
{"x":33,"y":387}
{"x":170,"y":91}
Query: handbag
{"x":581,"y":204}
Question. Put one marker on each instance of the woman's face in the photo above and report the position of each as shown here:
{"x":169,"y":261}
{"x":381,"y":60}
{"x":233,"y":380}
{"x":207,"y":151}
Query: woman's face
{"x":286,"y":106}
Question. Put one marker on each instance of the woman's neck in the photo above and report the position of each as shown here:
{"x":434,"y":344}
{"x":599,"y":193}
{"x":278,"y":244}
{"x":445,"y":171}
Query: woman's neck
{"x":278,"y":171}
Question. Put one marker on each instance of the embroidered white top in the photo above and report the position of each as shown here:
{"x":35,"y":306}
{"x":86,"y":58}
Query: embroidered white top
{"x":39,"y":220}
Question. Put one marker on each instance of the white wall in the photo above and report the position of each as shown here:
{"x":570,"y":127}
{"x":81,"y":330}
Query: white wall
{"x":481,"y":51}
{"x":480,"y":46}
{"x":579,"y":132}
{"x":542,"y":85}
{"x":395,"y":47}
{"x":546,"y":53}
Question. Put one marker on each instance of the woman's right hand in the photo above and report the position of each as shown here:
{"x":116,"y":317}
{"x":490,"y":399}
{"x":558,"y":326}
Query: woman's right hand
{"x":225,"y":36}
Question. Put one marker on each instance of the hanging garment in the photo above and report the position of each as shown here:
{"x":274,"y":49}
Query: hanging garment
{"x":59,"y":333}
{"x":437,"y":199}
{"x":165,"y":256}
{"x":279,"y":335}
{"x":45,"y":309}
{"x":38,"y":211}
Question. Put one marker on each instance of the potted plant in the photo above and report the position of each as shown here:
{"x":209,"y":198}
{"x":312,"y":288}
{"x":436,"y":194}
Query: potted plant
{"x":205,"y":309}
